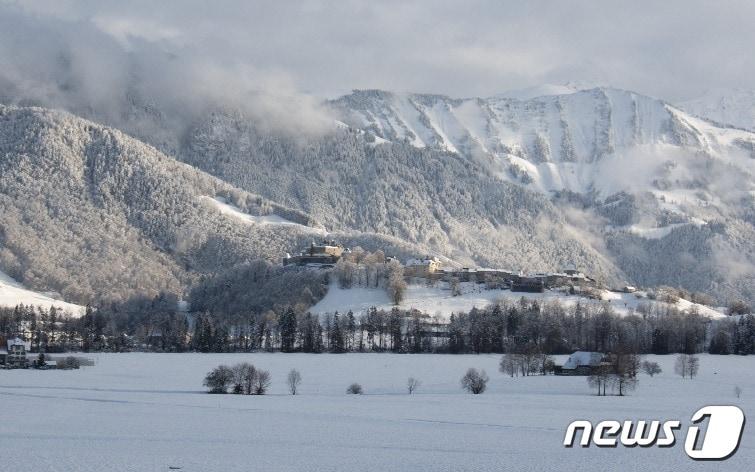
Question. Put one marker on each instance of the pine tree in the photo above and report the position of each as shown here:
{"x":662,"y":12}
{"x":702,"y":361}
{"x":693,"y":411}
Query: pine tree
{"x":336,"y":335}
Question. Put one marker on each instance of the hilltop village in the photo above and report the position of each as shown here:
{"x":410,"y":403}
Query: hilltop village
{"x":327,"y":253}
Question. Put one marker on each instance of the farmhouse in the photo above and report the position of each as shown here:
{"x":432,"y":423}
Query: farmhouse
{"x":581,"y":363}
{"x":15,"y":354}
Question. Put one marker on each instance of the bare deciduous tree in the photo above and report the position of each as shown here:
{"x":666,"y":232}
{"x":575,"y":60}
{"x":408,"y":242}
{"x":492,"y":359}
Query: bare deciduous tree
{"x":412,"y":384}
{"x":599,"y":378}
{"x":687,"y":365}
{"x":738,"y":391}
{"x":294,"y":379}
{"x":261,"y":382}
{"x":354,"y":389}
{"x":508,"y":364}
{"x":218,"y":379}
{"x":651,"y":368}
{"x":475,"y":381}
{"x":243,"y":377}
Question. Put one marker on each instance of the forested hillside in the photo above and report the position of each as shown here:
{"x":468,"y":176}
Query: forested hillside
{"x":93,"y":214}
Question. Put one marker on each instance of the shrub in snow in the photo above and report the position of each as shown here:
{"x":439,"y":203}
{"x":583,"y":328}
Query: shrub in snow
{"x":219,"y":379}
{"x":651,"y":368}
{"x":69,"y":362}
{"x":354,"y":389}
{"x":475,"y":381}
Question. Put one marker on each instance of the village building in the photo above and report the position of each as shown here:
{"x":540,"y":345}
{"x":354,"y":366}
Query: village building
{"x":325,"y":254}
{"x":422,"y":267}
{"x":15,"y":355}
{"x":533,"y":284}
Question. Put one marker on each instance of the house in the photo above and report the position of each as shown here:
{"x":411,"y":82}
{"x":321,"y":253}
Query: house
{"x":15,"y":355}
{"x":581,"y":363}
{"x":325,"y":254}
{"x":629,"y":289}
{"x":534,"y":284}
{"x":422,"y":267}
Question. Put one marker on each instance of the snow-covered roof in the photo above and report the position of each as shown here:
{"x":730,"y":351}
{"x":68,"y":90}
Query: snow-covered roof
{"x":19,"y":342}
{"x":583,"y":358}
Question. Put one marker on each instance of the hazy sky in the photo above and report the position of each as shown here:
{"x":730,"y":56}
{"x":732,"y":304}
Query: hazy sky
{"x":670,"y":49}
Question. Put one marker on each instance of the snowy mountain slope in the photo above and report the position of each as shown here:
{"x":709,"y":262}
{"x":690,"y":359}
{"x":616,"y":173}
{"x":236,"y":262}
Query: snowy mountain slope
{"x":579,"y":141}
{"x":671,"y":195}
{"x":627,"y":187}
{"x":232,"y":211}
{"x":13,"y":293}
{"x":90,"y":213}
{"x":93,"y":214}
{"x":428,"y":198}
{"x":733,"y":107}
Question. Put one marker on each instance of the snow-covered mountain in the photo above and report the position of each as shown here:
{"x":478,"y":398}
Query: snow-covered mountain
{"x":732,"y":107}
{"x":664,"y":185}
{"x":93,"y":214}
{"x":625,"y":186}
{"x":581,"y":141}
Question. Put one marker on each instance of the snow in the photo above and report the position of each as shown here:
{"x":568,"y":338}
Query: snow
{"x":543,"y":90}
{"x":618,"y":140}
{"x":148,"y":412}
{"x":430,"y":300}
{"x":438,"y":301}
{"x":13,"y":293}
{"x":582,"y":358}
{"x":726,"y":106}
{"x":233,"y":211}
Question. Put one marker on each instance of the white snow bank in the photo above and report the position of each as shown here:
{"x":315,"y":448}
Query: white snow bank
{"x":12,"y":293}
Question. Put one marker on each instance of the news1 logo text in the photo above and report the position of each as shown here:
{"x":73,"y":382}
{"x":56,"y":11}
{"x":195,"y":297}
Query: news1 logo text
{"x":720,"y":440}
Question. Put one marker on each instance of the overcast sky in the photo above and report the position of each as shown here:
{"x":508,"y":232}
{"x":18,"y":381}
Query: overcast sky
{"x":670,"y":49}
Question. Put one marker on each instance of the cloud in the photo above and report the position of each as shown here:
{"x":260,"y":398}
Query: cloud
{"x":674,"y":50}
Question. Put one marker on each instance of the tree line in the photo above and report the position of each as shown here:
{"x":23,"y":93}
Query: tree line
{"x":505,"y":327}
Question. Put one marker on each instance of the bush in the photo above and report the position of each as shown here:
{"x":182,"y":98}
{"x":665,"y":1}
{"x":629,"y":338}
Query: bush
{"x":219,"y":379}
{"x":68,"y":363}
{"x":475,"y":381}
{"x":354,"y":389}
{"x":651,"y":368}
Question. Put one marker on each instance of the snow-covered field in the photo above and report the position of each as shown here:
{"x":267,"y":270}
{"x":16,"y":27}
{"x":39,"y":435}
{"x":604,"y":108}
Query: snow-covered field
{"x":438,"y":300}
{"x":13,"y":293}
{"x":148,"y":412}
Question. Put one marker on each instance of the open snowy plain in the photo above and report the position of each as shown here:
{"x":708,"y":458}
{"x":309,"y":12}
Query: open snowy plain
{"x":149,"y":412}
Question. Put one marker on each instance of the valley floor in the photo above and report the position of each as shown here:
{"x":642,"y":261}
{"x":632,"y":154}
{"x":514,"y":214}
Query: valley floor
{"x":148,"y":412}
